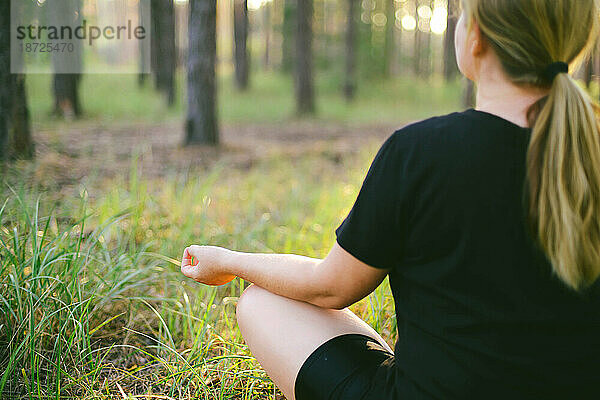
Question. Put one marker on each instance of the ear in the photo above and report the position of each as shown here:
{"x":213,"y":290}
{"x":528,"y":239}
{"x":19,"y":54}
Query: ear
{"x":477,"y":42}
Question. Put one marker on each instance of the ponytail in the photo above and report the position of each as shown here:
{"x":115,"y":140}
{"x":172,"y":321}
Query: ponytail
{"x":563,"y":172}
{"x":533,"y":40}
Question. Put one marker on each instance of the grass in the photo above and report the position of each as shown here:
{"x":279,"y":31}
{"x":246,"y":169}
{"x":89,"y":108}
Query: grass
{"x":92,"y":301}
{"x":113,"y":97}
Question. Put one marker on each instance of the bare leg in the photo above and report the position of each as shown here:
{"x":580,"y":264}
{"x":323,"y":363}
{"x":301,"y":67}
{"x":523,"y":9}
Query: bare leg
{"x":281,"y":333}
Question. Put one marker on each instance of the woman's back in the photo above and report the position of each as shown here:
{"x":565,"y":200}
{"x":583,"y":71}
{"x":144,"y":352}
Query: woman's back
{"x":479,"y":310}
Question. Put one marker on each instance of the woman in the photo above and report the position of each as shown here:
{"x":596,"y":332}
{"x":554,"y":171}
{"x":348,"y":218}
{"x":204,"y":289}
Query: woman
{"x":487,"y":223}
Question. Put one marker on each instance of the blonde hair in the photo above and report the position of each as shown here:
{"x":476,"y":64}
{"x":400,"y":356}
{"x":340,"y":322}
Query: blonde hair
{"x":563,"y":159}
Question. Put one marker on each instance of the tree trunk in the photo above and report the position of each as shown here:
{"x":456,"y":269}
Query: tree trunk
{"x":289,"y":32}
{"x":417,"y":44}
{"x":241,"y":56}
{"x":68,"y":67}
{"x":388,"y":50}
{"x":305,"y":98}
{"x":164,"y":57}
{"x":398,"y":40}
{"x":426,"y":66}
{"x":201,"y":123}
{"x":351,"y":26}
{"x":143,"y":56}
{"x":22,"y":143}
{"x":5,"y":78}
{"x":66,"y":95}
{"x":450,"y":66}
{"x":15,"y":131}
{"x":267,"y":32}
{"x":426,"y":56}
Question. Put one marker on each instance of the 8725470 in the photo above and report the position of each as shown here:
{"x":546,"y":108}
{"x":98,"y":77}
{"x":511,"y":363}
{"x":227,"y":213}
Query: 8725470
{"x":40,"y":47}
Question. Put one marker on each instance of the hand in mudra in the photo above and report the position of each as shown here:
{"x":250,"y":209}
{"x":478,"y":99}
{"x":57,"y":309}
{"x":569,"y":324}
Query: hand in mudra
{"x":205,"y":264}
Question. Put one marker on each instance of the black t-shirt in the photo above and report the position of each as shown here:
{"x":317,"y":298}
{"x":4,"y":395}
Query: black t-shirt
{"x":479,"y":312}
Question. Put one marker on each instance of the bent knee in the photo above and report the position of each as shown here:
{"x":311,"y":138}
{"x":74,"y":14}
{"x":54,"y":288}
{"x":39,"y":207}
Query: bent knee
{"x":249,"y":303}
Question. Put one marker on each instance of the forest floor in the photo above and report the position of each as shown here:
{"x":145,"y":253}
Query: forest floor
{"x":92,"y":153}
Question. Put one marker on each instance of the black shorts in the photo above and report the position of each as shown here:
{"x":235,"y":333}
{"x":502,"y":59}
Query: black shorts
{"x":349,"y":367}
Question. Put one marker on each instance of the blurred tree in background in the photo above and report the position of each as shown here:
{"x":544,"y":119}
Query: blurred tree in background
{"x":351,"y":33}
{"x":450,"y":67}
{"x":241,"y":55}
{"x":65,"y":86}
{"x":288,"y":33}
{"x":163,"y":50}
{"x":201,"y":123}
{"x":388,"y":54}
{"x":266,"y":29}
{"x":15,"y":131}
{"x":303,"y":71}
{"x":68,"y":66}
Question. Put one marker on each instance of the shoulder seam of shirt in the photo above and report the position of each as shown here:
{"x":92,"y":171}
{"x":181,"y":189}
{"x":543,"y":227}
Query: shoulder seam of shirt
{"x":428,"y":123}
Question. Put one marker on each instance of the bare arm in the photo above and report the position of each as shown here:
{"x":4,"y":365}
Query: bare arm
{"x":337,"y":281}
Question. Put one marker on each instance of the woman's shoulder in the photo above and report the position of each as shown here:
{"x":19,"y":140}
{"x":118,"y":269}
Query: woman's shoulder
{"x":437,"y":124}
{"x":458,"y":128}
{"x":431,"y":132}
{"x":437,"y":143}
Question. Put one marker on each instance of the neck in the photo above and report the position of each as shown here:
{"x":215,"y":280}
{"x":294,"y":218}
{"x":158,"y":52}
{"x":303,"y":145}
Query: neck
{"x":497,"y":95}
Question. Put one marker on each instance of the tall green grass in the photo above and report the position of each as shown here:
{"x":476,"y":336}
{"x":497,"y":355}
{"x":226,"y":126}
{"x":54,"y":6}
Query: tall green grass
{"x":92,"y":302}
{"x":64,"y":292}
